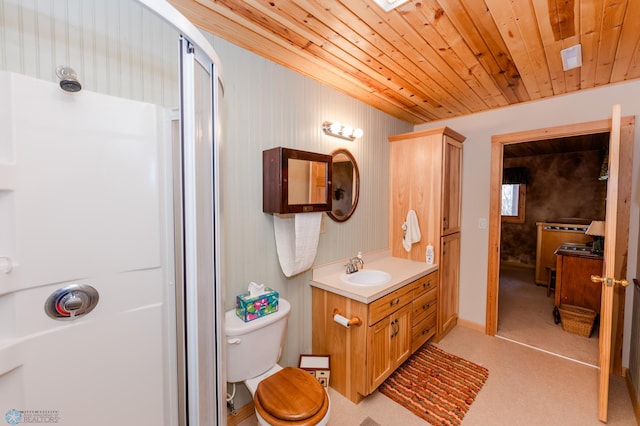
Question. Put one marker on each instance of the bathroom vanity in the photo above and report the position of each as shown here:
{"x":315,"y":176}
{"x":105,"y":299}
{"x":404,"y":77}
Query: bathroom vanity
{"x":396,"y":318}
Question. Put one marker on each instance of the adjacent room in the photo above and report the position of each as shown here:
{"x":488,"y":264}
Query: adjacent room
{"x":553,"y":191}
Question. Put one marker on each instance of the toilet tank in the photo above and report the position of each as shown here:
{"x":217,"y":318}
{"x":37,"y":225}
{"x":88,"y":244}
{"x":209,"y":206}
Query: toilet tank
{"x":254,"y":347}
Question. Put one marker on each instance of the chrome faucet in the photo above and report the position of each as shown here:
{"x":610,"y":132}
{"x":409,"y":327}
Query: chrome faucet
{"x":352,"y":265}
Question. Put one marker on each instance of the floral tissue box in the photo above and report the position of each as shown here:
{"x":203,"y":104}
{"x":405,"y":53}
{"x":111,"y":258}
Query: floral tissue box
{"x":249,"y":308}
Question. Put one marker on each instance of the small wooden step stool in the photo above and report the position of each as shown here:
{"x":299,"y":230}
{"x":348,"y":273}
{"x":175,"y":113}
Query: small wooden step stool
{"x":551,"y":279}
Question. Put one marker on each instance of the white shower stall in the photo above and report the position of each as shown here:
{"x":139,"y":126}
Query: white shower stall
{"x":112,"y":187}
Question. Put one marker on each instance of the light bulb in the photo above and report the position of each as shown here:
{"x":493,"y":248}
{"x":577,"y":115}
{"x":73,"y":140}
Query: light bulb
{"x":358,"y":133}
{"x":347,"y":131}
{"x":335,"y":128}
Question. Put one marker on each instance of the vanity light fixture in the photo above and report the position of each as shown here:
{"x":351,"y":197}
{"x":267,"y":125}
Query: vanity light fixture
{"x":344,"y":131}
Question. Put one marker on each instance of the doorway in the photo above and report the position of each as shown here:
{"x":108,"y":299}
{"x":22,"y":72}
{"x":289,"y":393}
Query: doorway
{"x":497,"y":154}
{"x":561,"y":193}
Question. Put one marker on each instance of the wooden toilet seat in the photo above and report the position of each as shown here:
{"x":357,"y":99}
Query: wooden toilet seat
{"x":291,"y":397}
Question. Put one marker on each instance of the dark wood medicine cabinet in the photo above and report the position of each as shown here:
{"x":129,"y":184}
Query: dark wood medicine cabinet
{"x":295,"y":181}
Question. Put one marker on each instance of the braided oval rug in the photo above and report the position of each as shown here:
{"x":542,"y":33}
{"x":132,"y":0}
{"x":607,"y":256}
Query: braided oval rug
{"x":435,"y":385}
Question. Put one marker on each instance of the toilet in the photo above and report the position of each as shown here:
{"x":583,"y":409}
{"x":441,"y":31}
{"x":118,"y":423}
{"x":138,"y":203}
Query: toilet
{"x":282,"y":396}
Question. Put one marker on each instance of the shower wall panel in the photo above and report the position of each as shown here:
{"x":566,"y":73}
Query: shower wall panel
{"x":117,"y":47}
{"x":85,"y":200}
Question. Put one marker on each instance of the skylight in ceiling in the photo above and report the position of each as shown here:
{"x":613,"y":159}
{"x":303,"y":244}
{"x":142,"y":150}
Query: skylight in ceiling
{"x":388,"y":5}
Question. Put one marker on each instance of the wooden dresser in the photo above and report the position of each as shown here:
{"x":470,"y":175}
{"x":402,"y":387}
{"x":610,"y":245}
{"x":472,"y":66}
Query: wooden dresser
{"x":574,"y":266}
{"x":550,"y":236}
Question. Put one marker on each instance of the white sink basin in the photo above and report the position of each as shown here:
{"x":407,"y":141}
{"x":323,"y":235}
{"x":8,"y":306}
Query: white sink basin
{"x":366,"y":277}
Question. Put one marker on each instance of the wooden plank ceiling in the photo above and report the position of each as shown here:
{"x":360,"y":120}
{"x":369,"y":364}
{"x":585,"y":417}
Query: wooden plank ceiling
{"x":435,"y":59}
{"x":592,"y":142}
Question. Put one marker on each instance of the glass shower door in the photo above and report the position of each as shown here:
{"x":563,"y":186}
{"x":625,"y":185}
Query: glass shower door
{"x":198,"y":192}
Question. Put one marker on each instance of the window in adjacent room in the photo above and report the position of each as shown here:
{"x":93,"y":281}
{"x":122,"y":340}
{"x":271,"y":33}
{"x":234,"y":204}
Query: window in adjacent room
{"x":513,"y":196}
{"x":514,"y":184}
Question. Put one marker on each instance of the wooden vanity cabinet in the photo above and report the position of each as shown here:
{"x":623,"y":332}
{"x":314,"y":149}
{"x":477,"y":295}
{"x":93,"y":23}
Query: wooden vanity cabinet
{"x":451,"y":185}
{"x":393,"y":327}
{"x":424,"y":308}
{"x":425,"y":175}
{"x":449,"y":283}
{"x":389,"y":346}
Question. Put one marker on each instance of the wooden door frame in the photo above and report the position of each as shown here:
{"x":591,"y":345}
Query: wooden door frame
{"x":493,"y":275}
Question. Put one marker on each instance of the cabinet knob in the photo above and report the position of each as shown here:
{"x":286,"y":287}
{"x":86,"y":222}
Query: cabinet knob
{"x":394,"y":302}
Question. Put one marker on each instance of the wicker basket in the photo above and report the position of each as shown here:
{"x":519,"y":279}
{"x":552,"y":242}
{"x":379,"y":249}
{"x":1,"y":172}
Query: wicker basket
{"x":577,"y":320}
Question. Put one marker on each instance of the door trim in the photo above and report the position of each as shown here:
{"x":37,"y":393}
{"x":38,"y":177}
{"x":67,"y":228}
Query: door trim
{"x":497,"y":144}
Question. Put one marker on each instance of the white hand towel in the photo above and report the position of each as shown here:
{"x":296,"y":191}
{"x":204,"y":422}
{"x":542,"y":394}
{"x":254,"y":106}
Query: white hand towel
{"x":411,"y":231}
{"x":297,"y":241}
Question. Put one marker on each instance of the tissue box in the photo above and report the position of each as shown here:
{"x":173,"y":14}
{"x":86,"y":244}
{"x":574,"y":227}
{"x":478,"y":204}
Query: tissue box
{"x":249,"y":308}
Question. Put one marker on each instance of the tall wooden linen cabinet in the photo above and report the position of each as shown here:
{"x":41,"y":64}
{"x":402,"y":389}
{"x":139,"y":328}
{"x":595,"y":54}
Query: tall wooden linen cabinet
{"x":425,"y":174}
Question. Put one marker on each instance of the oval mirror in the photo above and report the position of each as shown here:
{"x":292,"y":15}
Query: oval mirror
{"x":345,"y":185}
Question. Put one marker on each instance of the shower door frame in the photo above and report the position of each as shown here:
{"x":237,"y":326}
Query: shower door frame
{"x":199,"y":297}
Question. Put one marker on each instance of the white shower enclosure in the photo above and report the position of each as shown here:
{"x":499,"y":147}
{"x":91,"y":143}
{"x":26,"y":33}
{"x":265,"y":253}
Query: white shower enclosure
{"x":113,"y":187}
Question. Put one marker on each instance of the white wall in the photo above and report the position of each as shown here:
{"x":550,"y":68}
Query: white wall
{"x":588,"y":105}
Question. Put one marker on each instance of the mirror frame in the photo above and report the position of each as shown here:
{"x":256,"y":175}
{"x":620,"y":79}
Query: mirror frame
{"x":356,"y":196}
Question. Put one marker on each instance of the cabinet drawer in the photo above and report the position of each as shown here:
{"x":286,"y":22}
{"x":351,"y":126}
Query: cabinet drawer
{"x":423,"y":331}
{"x":426,"y":283}
{"x":390,"y":303}
{"x":424,"y":305}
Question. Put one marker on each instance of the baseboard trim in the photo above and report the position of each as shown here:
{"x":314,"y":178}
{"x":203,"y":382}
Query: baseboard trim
{"x":472,"y":325}
{"x":632,"y":394}
{"x":242,"y":413}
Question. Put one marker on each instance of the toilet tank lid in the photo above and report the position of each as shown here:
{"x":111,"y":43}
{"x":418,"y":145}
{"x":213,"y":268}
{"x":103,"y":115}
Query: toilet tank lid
{"x":234,"y":326}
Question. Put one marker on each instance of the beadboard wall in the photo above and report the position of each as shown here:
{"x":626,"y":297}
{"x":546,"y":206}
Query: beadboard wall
{"x":266,"y":105}
{"x":119,"y":48}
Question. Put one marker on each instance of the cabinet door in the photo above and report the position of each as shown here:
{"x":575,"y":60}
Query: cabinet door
{"x":451,"y":185}
{"x":389,"y":345}
{"x":400,"y":336}
{"x":449,"y":283}
{"x":379,"y":353}
{"x":415,"y":184}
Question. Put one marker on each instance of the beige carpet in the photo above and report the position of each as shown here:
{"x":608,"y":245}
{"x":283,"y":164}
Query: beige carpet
{"x":369,"y":422}
{"x":526,"y":387}
{"x":525,"y":316}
